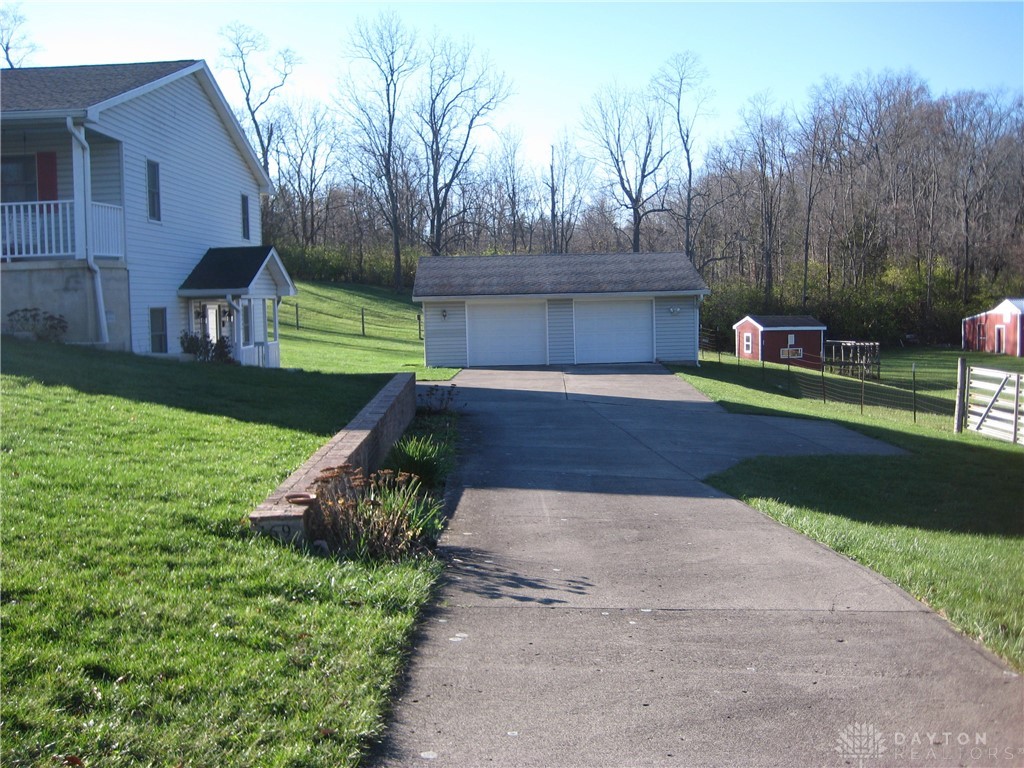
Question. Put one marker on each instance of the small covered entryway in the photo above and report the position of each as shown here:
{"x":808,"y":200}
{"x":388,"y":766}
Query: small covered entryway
{"x":235,"y":294}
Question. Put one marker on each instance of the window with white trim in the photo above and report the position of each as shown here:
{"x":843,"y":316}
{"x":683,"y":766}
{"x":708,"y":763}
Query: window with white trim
{"x":268,"y":311}
{"x":747,"y":343}
{"x":247,"y":323}
{"x":153,"y":189}
{"x":158,"y":330}
{"x":245,"y":217}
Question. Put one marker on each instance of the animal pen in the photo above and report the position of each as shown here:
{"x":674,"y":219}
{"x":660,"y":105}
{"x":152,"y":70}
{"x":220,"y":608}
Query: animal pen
{"x":860,"y":359}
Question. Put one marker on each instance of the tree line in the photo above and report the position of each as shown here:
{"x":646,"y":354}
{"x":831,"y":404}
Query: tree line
{"x":878,"y":206}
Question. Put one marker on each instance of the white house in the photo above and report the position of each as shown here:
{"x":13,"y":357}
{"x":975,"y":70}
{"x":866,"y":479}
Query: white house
{"x":559,"y":309}
{"x":128,"y":192}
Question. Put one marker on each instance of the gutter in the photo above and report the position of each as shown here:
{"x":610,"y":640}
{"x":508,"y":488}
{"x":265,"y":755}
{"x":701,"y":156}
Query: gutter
{"x":97,"y":282}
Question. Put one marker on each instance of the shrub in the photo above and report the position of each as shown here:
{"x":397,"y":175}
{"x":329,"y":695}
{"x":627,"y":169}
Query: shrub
{"x":383,"y":517}
{"x":422,"y":456}
{"x":44,"y":326}
{"x":206,"y":351}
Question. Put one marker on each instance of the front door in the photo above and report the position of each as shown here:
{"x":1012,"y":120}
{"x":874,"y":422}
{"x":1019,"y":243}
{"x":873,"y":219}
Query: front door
{"x":211,"y":324}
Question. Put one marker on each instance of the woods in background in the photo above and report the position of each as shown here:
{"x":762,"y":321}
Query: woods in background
{"x":881,"y":208}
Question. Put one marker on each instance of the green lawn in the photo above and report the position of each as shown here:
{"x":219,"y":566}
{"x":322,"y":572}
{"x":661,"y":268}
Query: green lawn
{"x":935,"y":368}
{"x":142,"y":625}
{"x":330,"y":334}
{"x":944,"y":521}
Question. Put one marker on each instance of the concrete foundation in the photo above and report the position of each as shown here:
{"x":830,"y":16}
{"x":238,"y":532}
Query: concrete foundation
{"x":65,"y":288}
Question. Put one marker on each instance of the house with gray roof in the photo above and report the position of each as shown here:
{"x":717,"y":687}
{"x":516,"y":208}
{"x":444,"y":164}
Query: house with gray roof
{"x":559,"y":309}
{"x":130,"y":205}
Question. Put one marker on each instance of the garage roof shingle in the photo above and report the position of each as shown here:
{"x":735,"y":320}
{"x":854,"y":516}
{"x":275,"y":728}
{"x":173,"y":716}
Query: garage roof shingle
{"x":556,"y":274}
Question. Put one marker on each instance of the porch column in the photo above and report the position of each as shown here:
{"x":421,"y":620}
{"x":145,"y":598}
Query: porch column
{"x":82,"y":188}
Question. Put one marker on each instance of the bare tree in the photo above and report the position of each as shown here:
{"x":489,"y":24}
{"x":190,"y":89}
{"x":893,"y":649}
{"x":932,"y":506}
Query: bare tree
{"x":374,"y":101}
{"x":766,"y":141}
{"x":566,"y":183}
{"x":460,"y":92}
{"x":680,"y":85}
{"x":626,"y":128}
{"x":306,"y":159}
{"x":14,"y":40}
{"x":245,"y":47}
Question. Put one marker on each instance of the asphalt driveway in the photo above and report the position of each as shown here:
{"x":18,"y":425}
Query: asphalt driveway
{"x":605,"y":607}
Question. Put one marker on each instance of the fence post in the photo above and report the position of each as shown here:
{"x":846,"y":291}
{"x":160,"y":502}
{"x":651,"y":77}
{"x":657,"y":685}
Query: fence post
{"x":913,"y":384}
{"x":1016,"y":411}
{"x":419,"y":325}
{"x":862,"y":389}
{"x":296,"y":315}
{"x":362,"y":318}
{"x":961,"y":394}
{"x":823,"y":398}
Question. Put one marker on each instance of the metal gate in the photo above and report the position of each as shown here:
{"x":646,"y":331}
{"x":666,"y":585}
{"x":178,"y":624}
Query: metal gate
{"x":990,"y":403}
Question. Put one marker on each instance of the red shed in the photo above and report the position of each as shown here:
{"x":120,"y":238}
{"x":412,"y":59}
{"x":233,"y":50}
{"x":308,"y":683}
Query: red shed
{"x":793,"y":339}
{"x":998,"y":330}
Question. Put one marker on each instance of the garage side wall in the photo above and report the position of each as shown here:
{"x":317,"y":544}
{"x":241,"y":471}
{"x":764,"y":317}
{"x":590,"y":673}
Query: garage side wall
{"x":677,"y":328}
{"x":561,"y":332}
{"x":444,"y":333}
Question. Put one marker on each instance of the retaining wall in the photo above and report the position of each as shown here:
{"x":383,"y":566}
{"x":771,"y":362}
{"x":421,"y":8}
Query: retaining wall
{"x":363,"y":443}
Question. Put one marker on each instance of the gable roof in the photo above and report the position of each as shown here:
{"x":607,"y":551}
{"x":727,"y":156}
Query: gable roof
{"x":76,"y":89}
{"x":556,"y":274}
{"x":784,"y":322}
{"x":233,"y":271}
{"x":81,"y":93}
{"x":1011,"y":306}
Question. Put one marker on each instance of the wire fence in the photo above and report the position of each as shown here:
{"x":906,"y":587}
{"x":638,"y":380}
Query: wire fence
{"x":361,"y":321}
{"x":854,"y":382}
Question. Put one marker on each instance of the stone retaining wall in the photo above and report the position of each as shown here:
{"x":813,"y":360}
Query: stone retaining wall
{"x":363,"y":443}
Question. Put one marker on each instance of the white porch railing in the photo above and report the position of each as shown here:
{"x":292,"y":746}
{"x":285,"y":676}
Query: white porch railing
{"x":46,"y":230}
{"x":107,"y":230}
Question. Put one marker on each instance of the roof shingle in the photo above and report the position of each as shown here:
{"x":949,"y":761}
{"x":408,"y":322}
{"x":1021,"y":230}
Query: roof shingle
{"x":72,"y":89}
{"x":227,"y":270}
{"x":555,"y":274}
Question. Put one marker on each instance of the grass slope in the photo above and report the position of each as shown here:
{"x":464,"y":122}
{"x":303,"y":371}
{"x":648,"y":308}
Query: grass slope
{"x":330,"y":333}
{"x":944,"y":521}
{"x":142,"y":625}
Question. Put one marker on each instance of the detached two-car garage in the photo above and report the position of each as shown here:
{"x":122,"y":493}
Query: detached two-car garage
{"x":483,"y":311}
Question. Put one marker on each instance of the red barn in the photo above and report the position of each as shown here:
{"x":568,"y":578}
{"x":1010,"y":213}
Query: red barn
{"x":793,"y":339}
{"x":997,"y":331}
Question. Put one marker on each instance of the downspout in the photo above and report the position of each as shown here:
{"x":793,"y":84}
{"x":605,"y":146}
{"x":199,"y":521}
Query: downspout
{"x":97,"y":283}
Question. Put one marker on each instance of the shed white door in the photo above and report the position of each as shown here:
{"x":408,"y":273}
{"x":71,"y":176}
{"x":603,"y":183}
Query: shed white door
{"x":615,"y":331}
{"x":507,"y":333}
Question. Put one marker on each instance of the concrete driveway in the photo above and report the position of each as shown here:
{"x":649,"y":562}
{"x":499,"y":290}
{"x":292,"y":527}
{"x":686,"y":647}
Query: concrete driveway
{"x":605,"y":607}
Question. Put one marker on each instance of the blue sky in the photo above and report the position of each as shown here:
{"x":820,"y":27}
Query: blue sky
{"x":558,"y":54}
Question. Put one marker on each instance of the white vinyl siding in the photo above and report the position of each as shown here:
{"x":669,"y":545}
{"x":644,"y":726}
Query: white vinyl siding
{"x":677,"y":336}
{"x":614,"y":331}
{"x":106,"y":170}
{"x":507,"y":333}
{"x":201,"y":176}
{"x":444,"y":333}
{"x":561,"y":333}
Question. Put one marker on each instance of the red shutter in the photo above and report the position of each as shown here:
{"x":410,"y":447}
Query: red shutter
{"x":46,"y":175}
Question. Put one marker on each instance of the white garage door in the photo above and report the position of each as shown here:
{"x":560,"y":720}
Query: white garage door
{"x":507,"y":333}
{"x":614,"y":331}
